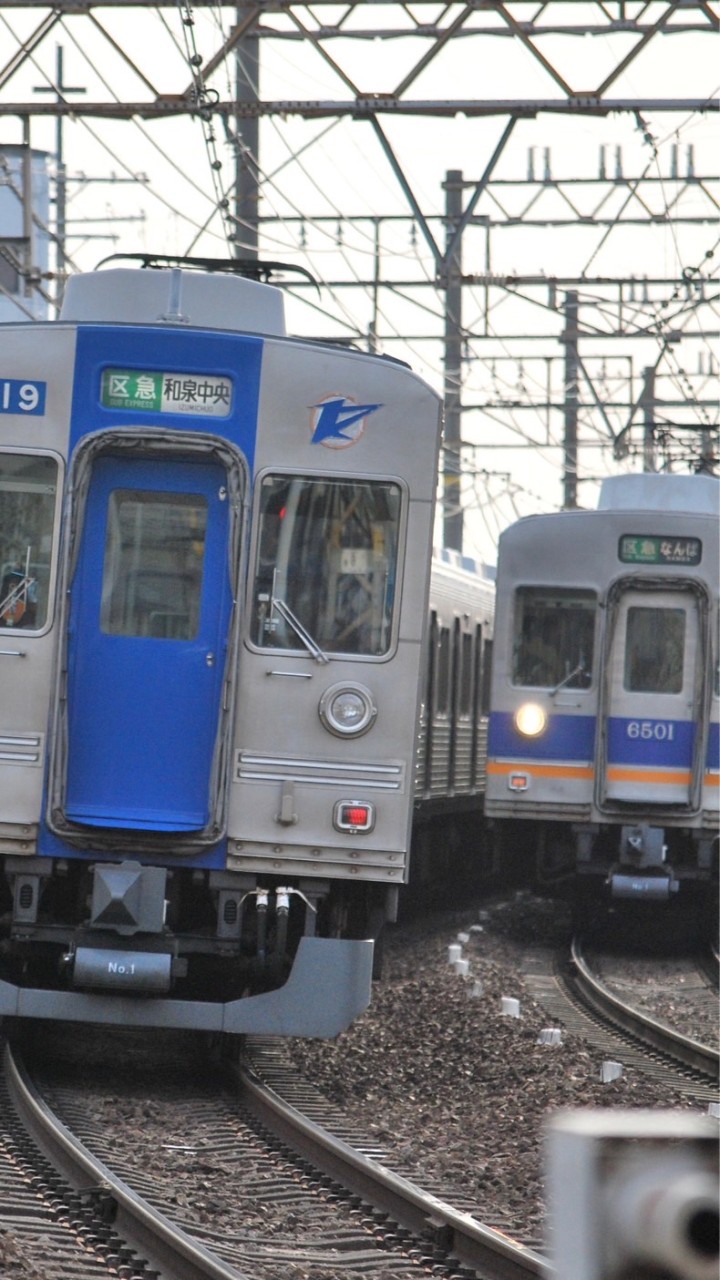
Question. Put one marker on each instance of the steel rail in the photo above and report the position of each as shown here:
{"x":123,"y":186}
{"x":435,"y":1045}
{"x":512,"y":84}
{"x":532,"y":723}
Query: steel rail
{"x":494,"y":1255}
{"x":691,"y":1053}
{"x":148,"y":1232}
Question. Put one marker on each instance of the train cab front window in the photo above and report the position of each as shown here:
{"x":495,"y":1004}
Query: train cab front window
{"x":553,"y":638}
{"x":654,"y":650}
{"x":326,"y":565}
{"x":28,"y":493}
{"x":153,"y":566}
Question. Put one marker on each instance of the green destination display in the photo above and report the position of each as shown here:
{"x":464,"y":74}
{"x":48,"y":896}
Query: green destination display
{"x":205,"y":394}
{"x":643,"y":548}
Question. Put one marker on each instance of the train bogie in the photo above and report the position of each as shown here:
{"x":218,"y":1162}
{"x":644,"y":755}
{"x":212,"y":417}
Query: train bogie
{"x":604,"y":726}
{"x":215,"y":553}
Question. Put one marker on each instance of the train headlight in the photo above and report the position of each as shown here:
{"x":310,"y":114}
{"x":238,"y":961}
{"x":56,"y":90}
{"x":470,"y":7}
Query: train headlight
{"x":530,"y":720}
{"x":347,"y":709}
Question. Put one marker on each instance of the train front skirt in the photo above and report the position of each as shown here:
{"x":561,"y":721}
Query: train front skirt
{"x":328,"y":986}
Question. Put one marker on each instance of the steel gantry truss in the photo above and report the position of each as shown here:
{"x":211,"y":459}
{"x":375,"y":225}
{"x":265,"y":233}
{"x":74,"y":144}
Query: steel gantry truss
{"x":522,"y":349}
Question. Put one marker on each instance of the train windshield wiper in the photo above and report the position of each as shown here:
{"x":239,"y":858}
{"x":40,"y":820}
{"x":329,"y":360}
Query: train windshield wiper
{"x":288,"y":616}
{"x":579,"y":670}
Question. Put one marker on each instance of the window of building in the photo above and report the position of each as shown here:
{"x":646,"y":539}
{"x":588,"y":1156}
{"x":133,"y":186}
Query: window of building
{"x":9,"y":274}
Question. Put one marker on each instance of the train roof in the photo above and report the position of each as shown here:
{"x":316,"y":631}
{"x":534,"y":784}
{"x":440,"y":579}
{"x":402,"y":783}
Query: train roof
{"x":454,"y":562}
{"x":653,"y":491}
{"x":126,"y":295}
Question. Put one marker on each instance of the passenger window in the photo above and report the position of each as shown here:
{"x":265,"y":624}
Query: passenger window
{"x":326,"y":568}
{"x":487,"y":654}
{"x":466,"y":673}
{"x":654,"y":650}
{"x":442,"y":692}
{"x":553,"y":638}
{"x":152,"y":574}
{"x":28,"y":490}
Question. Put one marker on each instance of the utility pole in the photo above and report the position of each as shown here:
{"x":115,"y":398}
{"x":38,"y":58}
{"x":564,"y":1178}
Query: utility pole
{"x":247,"y":127}
{"x":570,"y":338}
{"x":27,"y":208}
{"x":452,"y":508}
{"x":647,"y":401}
{"x":60,"y":89}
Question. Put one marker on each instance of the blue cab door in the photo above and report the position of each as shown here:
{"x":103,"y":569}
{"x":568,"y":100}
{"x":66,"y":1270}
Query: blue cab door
{"x":149,"y":614}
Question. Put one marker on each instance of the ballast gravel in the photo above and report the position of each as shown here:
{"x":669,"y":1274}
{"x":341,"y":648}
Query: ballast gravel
{"x":459,"y":1089}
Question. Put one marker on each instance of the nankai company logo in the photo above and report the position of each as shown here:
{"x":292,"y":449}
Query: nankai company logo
{"x":339,"y":421}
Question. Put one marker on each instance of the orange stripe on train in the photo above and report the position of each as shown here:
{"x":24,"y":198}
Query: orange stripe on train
{"x":541,"y":770}
{"x":676,"y":777}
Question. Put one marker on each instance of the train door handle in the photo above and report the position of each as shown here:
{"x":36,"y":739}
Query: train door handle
{"x":210,"y":659}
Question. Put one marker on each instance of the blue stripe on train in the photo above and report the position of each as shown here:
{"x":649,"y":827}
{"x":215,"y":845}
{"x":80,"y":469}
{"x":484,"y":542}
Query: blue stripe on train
{"x":666,"y":744}
{"x":713,"y":751}
{"x":566,"y":738}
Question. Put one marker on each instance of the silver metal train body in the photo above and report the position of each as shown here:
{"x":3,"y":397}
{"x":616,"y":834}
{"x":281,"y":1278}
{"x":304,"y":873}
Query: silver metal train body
{"x":449,"y":850}
{"x":604,"y":724}
{"x":214,"y":569}
{"x":453,"y":747}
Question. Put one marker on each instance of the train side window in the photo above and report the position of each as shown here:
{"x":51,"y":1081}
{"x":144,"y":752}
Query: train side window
{"x":654,"y":650}
{"x":28,"y":489}
{"x":553,"y":637}
{"x":327,"y":553}
{"x":466,"y":673}
{"x":486,"y":678}
{"x":153,"y":567}
{"x":442,"y":688}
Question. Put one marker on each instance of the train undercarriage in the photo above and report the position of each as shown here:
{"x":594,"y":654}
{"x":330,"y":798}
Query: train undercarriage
{"x":78,"y":932}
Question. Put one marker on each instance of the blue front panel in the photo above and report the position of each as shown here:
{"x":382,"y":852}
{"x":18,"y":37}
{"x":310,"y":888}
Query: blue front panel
{"x":713,"y":751}
{"x":179,"y":351}
{"x":150,"y":605}
{"x":566,"y":738}
{"x":666,"y":744}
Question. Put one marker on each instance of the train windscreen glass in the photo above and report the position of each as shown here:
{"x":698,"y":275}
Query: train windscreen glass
{"x":553,"y":638}
{"x":326,"y":568}
{"x":153,"y":567}
{"x":28,"y":488}
{"x":654,"y":650}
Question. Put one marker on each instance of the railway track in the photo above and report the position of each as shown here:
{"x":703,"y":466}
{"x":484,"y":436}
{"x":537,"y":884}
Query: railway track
{"x":80,"y":1219}
{"x":703,"y":1060}
{"x":577,"y":997}
{"x":364,"y":1219}
{"x":445,"y":1232}
{"x":299,"y":1201}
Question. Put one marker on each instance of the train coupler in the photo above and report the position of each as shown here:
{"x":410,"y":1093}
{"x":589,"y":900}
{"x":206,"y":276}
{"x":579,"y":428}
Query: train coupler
{"x":643,"y":871}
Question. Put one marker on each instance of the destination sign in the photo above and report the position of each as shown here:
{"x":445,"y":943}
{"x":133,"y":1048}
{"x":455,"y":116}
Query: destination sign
{"x":204,"y":394}
{"x":656,"y":549}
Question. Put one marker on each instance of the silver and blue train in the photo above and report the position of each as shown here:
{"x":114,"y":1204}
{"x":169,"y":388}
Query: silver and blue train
{"x":234,"y":683}
{"x":215,"y":551}
{"x":603,"y":769}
